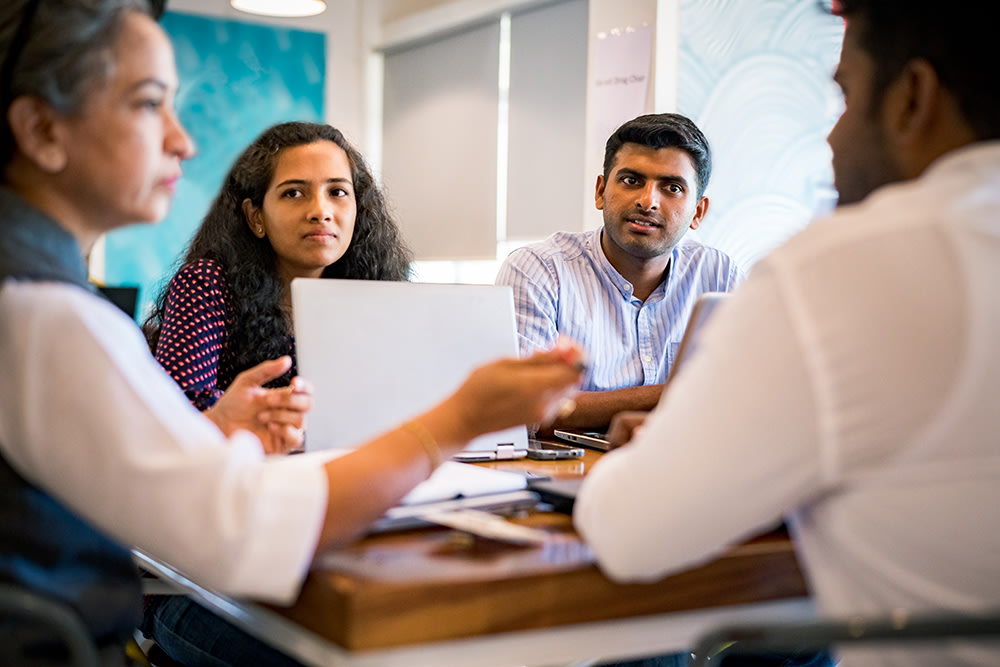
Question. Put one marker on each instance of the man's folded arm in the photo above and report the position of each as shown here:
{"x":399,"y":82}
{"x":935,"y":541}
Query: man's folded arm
{"x":595,"y":409}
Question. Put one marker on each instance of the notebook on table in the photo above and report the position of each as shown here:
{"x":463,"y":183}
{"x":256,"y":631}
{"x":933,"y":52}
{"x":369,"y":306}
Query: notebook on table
{"x":703,"y":308}
{"x":379,"y":353}
{"x":459,"y":486}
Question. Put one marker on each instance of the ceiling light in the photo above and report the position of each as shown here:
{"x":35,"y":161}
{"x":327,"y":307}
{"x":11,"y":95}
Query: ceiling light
{"x":280,"y":7}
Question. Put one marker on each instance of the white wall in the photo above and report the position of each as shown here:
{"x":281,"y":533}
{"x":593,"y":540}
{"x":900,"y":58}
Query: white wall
{"x":402,"y":21}
{"x":355,"y":29}
{"x":663,"y":18}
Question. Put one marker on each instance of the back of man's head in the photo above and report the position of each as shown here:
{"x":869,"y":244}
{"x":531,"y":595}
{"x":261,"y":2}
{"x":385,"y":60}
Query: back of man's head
{"x":663,"y":130}
{"x":958,"y":42}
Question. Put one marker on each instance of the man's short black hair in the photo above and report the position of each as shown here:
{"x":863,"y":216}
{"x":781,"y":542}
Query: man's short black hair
{"x":663,"y":130}
{"x":957,"y":40}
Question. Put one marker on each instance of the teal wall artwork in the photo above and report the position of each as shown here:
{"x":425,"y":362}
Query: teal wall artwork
{"x":757,"y":77}
{"x":236,"y":79}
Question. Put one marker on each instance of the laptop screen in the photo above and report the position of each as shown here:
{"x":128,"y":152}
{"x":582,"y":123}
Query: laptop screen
{"x":379,"y":353}
{"x":702,"y":310}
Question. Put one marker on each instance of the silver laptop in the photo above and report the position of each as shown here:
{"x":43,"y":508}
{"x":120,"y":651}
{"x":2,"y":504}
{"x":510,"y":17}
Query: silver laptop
{"x":703,"y":308}
{"x":379,"y":352}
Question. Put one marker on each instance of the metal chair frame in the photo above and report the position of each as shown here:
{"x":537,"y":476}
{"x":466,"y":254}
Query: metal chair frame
{"x":816,"y":635}
{"x":44,"y":619}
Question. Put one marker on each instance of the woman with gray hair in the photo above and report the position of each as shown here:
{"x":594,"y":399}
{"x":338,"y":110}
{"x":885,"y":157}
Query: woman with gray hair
{"x":99,"y":450}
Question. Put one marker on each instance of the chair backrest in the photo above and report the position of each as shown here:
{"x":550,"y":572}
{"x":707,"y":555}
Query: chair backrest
{"x":29,"y":620}
{"x":816,"y":635}
{"x":125,"y":297}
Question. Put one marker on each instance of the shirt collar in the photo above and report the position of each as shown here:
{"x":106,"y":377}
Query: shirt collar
{"x":623,"y":286}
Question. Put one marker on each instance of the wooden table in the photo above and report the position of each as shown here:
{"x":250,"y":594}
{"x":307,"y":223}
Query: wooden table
{"x":433,"y":585}
{"x":436,"y":597}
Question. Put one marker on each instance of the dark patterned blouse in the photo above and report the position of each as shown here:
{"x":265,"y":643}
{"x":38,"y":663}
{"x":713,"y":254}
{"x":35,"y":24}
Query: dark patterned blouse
{"x":193,"y":343}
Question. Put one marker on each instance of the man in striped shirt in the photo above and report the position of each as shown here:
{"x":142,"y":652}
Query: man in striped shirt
{"x":625,"y":291}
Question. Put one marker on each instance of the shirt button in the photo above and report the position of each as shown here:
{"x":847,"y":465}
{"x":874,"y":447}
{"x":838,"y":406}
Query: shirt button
{"x":628,"y":288}
{"x":646,"y":357}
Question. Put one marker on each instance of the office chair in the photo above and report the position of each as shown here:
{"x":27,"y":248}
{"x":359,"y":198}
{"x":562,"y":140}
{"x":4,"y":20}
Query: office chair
{"x":28,"y":620}
{"x":715,"y":645}
{"x":126,"y":297}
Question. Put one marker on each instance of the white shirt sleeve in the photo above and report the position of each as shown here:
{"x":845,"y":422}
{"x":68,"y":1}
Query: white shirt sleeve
{"x":821,"y":369}
{"x":88,"y":415}
{"x":718,"y":460}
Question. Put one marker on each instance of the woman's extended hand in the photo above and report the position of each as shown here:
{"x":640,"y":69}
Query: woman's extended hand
{"x":495,"y":396}
{"x":276,"y":416}
{"x":509,"y":392}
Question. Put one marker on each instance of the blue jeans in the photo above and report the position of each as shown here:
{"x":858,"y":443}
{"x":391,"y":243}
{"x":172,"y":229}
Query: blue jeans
{"x":195,"y":637}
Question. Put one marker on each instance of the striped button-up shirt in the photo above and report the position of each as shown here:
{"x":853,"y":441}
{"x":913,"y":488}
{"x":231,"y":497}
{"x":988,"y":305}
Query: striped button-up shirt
{"x":565,"y":285}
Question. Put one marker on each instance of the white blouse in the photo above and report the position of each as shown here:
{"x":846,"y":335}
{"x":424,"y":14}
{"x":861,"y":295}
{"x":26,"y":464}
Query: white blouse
{"x":88,"y":415}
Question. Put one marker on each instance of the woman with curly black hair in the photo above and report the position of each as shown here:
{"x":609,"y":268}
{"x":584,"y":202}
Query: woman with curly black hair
{"x":299,"y":202}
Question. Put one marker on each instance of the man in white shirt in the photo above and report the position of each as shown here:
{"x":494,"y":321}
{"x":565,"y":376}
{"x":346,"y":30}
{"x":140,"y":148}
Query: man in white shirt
{"x":851,"y":385}
{"x":625,"y":291}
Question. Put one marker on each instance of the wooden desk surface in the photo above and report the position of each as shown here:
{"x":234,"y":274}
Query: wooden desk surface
{"x":434,"y":584}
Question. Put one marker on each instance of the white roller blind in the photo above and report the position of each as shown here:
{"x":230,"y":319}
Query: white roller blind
{"x":548,"y":99}
{"x":439,"y":163}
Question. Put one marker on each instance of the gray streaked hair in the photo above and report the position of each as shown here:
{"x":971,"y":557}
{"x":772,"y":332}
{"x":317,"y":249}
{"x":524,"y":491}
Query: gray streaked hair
{"x":66,"y":53}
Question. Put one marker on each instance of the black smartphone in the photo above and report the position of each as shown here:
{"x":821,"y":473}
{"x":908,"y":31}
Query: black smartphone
{"x":552,"y":451}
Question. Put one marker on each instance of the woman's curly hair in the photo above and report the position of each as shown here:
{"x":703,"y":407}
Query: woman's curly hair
{"x":259,"y":327}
